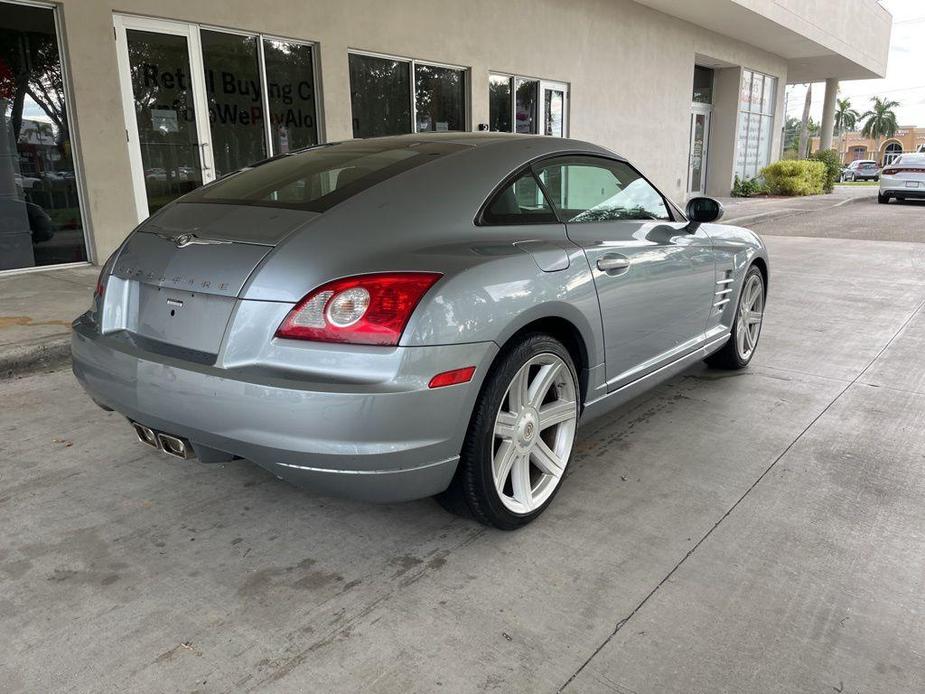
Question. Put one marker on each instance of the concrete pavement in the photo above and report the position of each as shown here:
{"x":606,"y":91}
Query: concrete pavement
{"x":747,"y":532}
{"x":36,"y":313}
{"x":748,"y":211}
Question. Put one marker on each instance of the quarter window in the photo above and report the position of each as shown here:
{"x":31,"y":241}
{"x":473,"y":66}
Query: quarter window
{"x":585,"y":189}
{"x":382,"y":91}
{"x":521,"y":202}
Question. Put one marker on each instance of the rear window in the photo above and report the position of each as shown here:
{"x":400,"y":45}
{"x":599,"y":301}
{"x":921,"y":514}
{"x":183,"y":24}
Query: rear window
{"x":916,"y":160}
{"x":318,"y":178}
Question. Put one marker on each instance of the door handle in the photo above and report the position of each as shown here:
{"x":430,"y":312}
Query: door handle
{"x":204,"y":151}
{"x":613,"y":264}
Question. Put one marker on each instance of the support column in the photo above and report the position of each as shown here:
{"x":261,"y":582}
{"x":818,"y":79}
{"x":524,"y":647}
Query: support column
{"x":828,"y":114}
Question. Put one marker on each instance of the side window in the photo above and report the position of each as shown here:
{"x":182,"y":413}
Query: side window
{"x":521,"y":202}
{"x":591,"y":190}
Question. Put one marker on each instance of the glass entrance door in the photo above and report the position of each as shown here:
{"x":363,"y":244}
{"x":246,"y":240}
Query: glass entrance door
{"x":700,"y":135}
{"x":164,"y":92}
{"x":201,"y":103}
{"x":553,"y":109}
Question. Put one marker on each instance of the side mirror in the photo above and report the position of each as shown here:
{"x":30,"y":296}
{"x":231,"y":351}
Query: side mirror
{"x":704,"y":210}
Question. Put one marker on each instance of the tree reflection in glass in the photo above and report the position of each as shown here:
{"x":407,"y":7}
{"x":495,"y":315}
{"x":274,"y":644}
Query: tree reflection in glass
{"x":40,"y":217}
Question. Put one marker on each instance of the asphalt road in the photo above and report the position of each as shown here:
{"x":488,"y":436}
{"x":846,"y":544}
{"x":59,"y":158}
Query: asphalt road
{"x":861,"y":218}
{"x":750,"y":532}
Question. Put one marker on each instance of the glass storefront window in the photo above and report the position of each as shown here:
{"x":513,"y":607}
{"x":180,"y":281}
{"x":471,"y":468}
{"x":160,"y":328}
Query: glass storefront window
{"x":756,"y":123}
{"x":290,"y":79}
{"x":553,"y":112}
{"x":499,"y":103}
{"x":380,"y":96}
{"x":232,"y":74}
{"x":209,"y":102}
{"x":382,"y":90}
{"x":440,"y":96}
{"x":527,"y":106}
{"x":40,"y":216}
{"x":165,"y":113}
{"x":526,"y":92}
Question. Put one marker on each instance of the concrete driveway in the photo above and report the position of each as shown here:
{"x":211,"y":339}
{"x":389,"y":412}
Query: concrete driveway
{"x":750,"y":532}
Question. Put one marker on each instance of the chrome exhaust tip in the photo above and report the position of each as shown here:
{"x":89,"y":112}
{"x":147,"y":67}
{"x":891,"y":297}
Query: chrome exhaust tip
{"x":175,"y":446}
{"x":145,"y":435}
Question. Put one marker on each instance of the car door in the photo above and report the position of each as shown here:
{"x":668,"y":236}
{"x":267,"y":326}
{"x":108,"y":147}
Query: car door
{"x":654,"y":273}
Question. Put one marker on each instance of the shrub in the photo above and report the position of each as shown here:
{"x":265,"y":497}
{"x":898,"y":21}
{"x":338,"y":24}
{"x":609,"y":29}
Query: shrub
{"x":746,"y":188}
{"x":833,"y":167}
{"x":801,"y":177}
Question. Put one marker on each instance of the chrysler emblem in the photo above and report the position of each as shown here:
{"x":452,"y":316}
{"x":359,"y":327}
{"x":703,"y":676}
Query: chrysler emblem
{"x":184,"y":240}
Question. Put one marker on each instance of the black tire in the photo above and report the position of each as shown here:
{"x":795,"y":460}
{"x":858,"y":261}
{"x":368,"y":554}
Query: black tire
{"x":728,"y":357}
{"x":472,"y":492}
{"x":883,"y":199}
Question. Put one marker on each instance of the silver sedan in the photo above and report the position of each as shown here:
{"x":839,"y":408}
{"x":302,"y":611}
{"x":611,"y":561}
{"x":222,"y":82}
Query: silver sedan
{"x":411,"y":316}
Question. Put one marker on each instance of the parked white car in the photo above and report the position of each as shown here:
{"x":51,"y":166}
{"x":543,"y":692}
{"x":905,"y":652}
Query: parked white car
{"x":903,"y":178}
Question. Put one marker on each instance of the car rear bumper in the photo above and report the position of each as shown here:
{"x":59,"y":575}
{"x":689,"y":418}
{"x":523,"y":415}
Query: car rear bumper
{"x":391,"y":440}
{"x":911,"y":193}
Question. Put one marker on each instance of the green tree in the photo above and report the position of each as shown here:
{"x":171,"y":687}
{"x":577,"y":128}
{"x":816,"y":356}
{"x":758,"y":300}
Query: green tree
{"x":792,"y":129}
{"x":846,"y":118}
{"x":880,"y":121}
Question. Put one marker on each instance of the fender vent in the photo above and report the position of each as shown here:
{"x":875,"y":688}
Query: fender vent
{"x":723,"y":291}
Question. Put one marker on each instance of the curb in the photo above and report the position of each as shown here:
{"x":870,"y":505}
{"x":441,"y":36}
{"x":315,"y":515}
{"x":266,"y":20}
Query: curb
{"x":787,"y":212}
{"x":21,"y":360}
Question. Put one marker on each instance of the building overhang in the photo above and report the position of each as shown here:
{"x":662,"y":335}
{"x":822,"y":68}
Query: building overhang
{"x":842,"y":39}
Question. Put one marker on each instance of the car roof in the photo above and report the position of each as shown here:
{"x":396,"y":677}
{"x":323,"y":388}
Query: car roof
{"x":484,"y":139}
{"x":912,"y":158}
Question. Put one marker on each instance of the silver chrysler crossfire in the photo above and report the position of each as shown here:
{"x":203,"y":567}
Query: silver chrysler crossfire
{"x":418,"y":315}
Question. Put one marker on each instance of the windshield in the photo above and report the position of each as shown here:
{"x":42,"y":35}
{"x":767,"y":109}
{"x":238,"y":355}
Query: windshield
{"x":320,"y":177}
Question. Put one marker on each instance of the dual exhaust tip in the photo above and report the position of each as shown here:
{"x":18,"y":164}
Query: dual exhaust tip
{"x":171,"y":445}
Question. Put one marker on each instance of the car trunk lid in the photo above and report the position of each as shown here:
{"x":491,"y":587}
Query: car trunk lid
{"x":183,"y":271}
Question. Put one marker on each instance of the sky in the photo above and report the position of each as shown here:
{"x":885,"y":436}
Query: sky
{"x":905,"y":77}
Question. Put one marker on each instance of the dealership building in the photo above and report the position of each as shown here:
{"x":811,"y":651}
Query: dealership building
{"x":110,"y":109}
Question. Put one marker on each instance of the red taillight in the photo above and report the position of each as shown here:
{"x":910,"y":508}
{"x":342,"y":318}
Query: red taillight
{"x":452,"y":378}
{"x":899,"y":170}
{"x":363,"y":310}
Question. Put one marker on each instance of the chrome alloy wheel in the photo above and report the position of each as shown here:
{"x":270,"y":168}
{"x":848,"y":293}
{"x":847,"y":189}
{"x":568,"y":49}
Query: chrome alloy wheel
{"x":533,"y":434}
{"x":751,"y":313}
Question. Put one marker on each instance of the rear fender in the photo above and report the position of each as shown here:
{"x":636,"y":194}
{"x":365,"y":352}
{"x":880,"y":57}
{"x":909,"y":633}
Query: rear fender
{"x":493,"y":300}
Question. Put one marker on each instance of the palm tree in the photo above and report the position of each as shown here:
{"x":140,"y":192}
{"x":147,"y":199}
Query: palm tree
{"x":880,"y":121}
{"x":846,"y":118}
